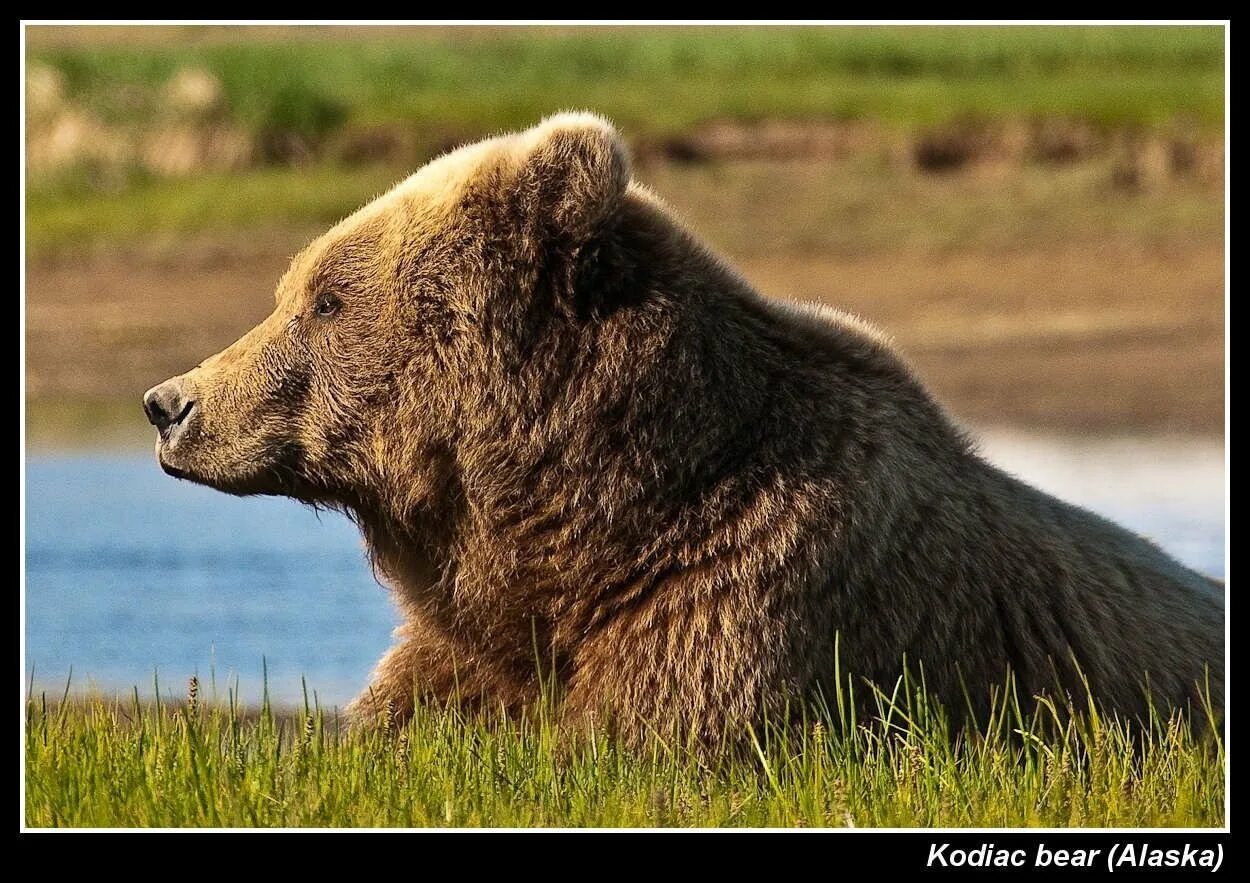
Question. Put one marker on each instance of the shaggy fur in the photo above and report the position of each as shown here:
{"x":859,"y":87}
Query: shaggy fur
{"x":577,"y":441}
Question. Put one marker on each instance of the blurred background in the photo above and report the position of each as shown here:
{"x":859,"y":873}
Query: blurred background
{"x":1035,"y":214}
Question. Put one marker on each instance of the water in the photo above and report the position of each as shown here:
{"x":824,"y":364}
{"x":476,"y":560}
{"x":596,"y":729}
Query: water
{"x":131,"y":573}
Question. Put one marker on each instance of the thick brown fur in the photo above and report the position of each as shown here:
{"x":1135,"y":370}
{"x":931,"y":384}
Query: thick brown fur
{"x":576,"y":441}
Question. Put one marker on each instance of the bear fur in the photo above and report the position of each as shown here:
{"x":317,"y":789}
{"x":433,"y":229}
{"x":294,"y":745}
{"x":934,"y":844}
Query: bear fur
{"x":584,"y":451}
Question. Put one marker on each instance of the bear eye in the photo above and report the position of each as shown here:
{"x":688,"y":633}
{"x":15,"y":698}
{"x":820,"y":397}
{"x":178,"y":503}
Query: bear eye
{"x":328,"y":304}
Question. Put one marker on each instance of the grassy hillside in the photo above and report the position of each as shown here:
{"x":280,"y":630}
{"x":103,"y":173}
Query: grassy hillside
{"x":659,"y":79}
{"x":1039,"y":205}
{"x":181,"y":129}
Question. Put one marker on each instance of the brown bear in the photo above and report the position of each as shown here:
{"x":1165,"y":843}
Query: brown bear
{"x":584,"y":451}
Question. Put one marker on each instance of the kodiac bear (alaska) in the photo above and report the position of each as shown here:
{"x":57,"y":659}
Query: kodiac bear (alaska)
{"x":580,"y":445}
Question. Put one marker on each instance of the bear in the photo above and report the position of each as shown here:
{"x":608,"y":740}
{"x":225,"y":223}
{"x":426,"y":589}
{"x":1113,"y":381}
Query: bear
{"x":584,"y":453}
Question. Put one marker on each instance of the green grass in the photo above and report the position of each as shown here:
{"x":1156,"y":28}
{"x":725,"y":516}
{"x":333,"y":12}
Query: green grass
{"x":115,"y":763}
{"x":746,"y":208}
{"x":664,"y":79}
{"x":433,"y":87}
{"x":271,"y":197}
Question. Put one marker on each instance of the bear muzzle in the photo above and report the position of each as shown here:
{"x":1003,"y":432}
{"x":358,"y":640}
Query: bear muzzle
{"x":169,"y":408}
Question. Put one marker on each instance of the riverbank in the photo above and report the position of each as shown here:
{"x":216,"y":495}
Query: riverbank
{"x":1035,"y":214}
{"x":1042,"y":297}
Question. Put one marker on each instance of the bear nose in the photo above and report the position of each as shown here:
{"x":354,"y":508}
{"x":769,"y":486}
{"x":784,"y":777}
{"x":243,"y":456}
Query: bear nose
{"x":167,"y":405}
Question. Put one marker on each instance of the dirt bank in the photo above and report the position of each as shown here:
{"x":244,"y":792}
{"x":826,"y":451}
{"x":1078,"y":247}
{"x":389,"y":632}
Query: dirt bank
{"x":1046,"y":297}
{"x":1082,"y":336}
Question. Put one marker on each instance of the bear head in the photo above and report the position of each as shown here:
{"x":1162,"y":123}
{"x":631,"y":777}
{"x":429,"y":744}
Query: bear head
{"x":389,"y":328}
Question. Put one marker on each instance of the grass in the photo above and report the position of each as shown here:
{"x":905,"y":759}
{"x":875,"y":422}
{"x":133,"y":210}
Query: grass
{"x":658,"y":79}
{"x":268,"y":197}
{"x":424,"y":89}
{"x":126,"y":763}
{"x":80,"y":423}
{"x":745,"y":207}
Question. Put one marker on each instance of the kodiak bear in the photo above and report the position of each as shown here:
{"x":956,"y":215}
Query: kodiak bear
{"x":583,"y":450}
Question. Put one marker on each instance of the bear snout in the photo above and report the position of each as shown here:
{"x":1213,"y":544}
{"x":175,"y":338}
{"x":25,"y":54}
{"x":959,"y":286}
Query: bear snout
{"x":168,"y":406}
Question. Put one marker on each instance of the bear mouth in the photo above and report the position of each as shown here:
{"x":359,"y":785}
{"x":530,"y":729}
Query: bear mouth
{"x":276,"y":480}
{"x":170,"y":469}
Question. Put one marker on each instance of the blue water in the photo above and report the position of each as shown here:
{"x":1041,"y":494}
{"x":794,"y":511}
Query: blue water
{"x":130,"y":573}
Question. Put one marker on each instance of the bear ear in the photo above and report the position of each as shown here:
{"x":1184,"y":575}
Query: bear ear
{"x":574,"y":168}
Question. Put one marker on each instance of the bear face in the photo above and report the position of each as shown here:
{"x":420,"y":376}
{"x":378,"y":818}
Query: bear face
{"x":388,"y":319}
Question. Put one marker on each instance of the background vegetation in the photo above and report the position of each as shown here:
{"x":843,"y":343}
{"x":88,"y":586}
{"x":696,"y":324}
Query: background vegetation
{"x":126,"y":112}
